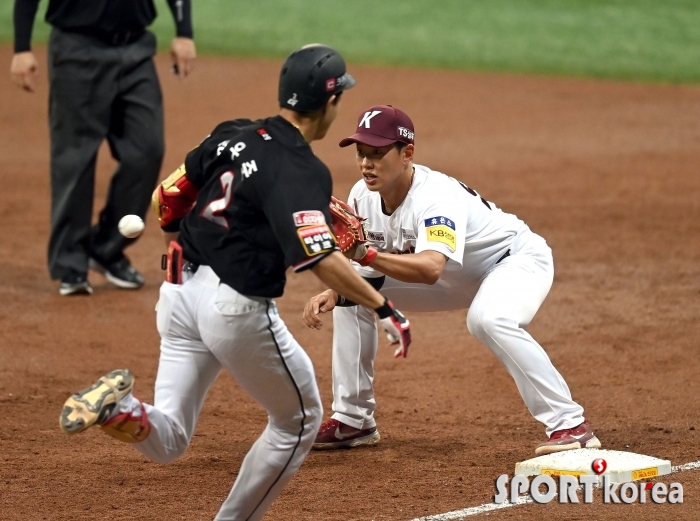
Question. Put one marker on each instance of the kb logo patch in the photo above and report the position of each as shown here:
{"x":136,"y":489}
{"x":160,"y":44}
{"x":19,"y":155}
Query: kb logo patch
{"x":441,"y":229}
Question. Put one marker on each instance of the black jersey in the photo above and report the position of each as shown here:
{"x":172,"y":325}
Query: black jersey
{"x":262,"y":205}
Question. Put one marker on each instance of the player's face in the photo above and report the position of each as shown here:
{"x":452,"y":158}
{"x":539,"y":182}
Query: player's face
{"x":381,"y":167}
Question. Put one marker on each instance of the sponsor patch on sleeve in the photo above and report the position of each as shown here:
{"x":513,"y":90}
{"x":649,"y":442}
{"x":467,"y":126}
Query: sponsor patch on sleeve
{"x":441,"y":229}
{"x":316,"y":239}
{"x":308,"y":218}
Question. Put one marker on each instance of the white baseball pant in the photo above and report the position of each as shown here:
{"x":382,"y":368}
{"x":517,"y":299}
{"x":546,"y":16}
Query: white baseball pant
{"x":500,"y":304}
{"x":205,"y":326}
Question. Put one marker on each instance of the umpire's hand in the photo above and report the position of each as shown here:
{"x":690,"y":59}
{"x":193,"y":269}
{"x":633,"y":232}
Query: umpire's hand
{"x":23,"y":70}
{"x":183,"y":53}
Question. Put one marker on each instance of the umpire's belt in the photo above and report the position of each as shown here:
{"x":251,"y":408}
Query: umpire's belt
{"x":110,"y":37}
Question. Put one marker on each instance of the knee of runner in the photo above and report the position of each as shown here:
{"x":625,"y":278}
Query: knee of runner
{"x":310,"y":417}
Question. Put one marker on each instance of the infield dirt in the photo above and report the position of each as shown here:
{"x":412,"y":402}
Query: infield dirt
{"x":606,"y":171}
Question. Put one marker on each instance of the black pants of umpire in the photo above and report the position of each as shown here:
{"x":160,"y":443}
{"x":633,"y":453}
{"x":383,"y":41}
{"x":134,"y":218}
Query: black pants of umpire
{"x":100,"y":90}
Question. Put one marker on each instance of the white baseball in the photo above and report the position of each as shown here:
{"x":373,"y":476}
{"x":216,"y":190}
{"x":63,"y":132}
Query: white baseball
{"x":131,"y":226}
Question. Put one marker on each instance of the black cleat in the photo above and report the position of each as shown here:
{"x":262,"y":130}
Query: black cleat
{"x":75,"y":284}
{"x":120,"y":273}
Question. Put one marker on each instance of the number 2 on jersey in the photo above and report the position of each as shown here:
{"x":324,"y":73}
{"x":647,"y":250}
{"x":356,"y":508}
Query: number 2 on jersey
{"x":214,"y":209}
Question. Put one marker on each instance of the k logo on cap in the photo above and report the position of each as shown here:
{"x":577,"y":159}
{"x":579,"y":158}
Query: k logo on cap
{"x":380,"y":126}
{"x":368,"y":117}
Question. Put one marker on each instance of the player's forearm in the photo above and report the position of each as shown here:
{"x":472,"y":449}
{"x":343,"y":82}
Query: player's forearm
{"x":337,"y":273}
{"x":421,"y":268}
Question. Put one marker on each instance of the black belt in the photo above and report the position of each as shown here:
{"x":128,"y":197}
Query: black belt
{"x":115,"y":38}
{"x":190,"y":266}
{"x":505,"y":256}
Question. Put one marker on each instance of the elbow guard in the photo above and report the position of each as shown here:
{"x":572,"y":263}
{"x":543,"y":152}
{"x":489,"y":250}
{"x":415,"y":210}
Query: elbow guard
{"x":174,"y":197}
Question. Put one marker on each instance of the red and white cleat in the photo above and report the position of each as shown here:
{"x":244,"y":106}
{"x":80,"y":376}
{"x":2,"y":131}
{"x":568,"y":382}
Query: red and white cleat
{"x":336,"y":435}
{"x":579,"y":437}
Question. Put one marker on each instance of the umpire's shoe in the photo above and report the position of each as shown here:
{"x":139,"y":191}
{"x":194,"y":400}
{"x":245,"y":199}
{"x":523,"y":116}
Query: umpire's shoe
{"x":120,"y":272}
{"x":74,"y":283}
{"x":336,"y":435}
{"x":579,"y":437}
{"x":109,"y":404}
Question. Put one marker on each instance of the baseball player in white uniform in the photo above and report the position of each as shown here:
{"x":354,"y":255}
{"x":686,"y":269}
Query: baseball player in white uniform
{"x":436,"y":244}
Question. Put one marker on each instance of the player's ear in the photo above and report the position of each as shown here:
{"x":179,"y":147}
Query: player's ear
{"x":407,"y":153}
{"x":332,"y":101}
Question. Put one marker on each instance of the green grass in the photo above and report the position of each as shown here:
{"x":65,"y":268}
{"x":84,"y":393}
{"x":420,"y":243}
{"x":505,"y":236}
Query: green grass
{"x":631,"y":39}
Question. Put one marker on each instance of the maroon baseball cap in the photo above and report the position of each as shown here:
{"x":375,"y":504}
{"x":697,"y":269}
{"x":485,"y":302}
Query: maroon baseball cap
{"x":380,"y":126}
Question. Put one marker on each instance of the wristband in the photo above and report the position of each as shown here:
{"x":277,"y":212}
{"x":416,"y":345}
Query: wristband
{"x":369,"y":257}
{"x":385,"y":310}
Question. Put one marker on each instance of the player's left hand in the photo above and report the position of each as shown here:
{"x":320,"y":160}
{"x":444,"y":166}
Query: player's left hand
{"x":183,"y":53}
{"x":349,"y":229}
{"x":321,"y":303}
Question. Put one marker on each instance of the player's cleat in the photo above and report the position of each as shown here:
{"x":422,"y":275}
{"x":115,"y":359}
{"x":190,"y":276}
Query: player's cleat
{"x":74,"y":283}
{"x":99,"y":405}
{"x":120,"y":272}
{"x":336,"y":435}
{"x":579,"y":437}
{"x":96,"y":403}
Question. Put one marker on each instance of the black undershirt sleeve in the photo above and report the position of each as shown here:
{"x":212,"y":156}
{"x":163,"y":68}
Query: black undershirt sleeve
{"x":182,"y":13}
{"x":23,"y":20}
{"x":376,"y":283}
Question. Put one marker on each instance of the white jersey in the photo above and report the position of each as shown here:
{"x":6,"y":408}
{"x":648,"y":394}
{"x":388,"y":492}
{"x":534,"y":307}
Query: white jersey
{"x":501,"y":292}
{"x":441,"y":214}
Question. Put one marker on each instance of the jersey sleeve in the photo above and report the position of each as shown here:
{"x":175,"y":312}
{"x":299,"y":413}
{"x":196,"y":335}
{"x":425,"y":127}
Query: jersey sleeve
{"x":23,"y":19}
{"x":297,"y":210}
{"x":440,"y":222}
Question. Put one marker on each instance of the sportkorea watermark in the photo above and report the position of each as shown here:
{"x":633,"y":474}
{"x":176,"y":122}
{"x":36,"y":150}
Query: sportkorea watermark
{"x":563,"y":486}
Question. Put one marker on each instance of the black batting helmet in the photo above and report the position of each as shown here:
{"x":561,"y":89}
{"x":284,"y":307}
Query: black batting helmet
{"x":310,"y":76}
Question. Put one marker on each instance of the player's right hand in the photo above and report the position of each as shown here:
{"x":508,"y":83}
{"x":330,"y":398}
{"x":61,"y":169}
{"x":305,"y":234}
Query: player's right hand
{"x":321,"y":303}
{"x":396,"y":326}
{"x":183,"y":53}
{"x":23,"y":70}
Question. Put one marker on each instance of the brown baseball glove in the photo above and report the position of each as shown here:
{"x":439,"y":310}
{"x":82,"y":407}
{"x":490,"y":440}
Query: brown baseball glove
{"x":347,"y":225}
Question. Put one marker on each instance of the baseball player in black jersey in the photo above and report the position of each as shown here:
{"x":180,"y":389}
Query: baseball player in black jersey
{"x":249,"y":202}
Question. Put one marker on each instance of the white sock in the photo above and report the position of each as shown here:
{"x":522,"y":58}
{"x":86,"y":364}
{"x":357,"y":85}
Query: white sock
{"x":127,"y":405}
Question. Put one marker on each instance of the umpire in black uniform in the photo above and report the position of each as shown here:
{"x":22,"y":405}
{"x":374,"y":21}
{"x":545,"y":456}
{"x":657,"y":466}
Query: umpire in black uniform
{"x":103,"y":85}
